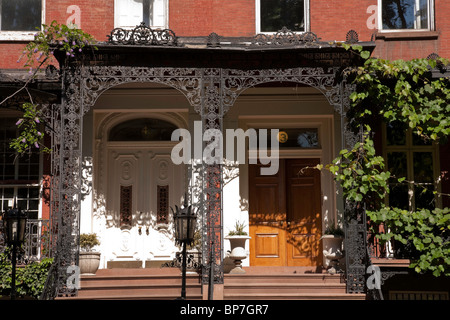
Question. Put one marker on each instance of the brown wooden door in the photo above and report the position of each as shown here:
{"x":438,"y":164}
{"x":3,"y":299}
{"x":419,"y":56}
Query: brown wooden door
{"x":285,"y":215}
{"x":267,"y":210}
{"x":303,"y":212}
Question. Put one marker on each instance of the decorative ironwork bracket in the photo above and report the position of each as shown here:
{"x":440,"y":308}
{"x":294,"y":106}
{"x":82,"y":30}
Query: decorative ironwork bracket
{"x":285,"y":37}
{"x":143,"y":35}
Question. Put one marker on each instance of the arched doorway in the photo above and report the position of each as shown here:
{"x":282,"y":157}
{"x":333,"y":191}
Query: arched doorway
{"x":139,"y":184}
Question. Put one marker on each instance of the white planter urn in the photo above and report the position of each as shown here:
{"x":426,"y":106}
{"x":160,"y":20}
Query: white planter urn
{"x":89,"y":262}
{"x":333,"y":251}
{"x":238,"y":252}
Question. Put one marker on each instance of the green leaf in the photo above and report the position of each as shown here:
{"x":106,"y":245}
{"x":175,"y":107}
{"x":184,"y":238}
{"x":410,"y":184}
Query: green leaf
{"x":365,"y":54}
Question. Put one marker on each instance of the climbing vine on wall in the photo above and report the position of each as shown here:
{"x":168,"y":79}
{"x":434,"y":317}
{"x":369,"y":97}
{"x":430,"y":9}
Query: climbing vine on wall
{"x":406,"y":92}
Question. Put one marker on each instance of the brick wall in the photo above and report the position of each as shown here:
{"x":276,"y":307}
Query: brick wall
{"x":231,"y":18}
{"x":329,"y":19}
{"x":332,"y":19}
{"x":443,"y":27}
{"x":9,"y":54}
{"x":95,"y":17}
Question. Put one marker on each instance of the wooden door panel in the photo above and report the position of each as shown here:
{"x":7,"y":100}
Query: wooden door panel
{"x":268,"y":245}
{"x":267,"y":215}
{"x":303,"y":212}
{"x":266,"y":191}
{"x":301,"y":245}
{"x":268,"y":198}
{"x":303,"y":249}
{"x":285,"y":215}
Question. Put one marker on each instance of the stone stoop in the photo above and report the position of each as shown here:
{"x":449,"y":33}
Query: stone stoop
{"x":137,"y":284}
{"x":286,"y":283}
{"x":286,"y":287}
{"x":255,"y":284}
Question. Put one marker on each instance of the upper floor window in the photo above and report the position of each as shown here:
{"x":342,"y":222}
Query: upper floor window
{"x":406,"y":14}
{"x":20,"y":15}
{"x":20,"y":19}
{"x":130,"y":13}
{"x":273,"y":15}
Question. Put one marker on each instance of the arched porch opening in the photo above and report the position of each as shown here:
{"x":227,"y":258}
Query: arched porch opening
{"x":299,"y":111}
{"x":135,"y":182}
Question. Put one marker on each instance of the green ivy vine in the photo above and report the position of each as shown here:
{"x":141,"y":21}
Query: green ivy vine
{"x":30,"y":279}
{"x":428,"y":231}
{"x":403,"y":91}
{"x":360,"y":171}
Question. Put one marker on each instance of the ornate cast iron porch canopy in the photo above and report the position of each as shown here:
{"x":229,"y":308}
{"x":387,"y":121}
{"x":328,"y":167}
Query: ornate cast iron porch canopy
{"x":144,"y":46}
{"x":211,"y":72}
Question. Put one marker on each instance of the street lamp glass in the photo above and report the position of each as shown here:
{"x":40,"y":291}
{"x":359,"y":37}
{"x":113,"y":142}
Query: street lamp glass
{"x":14,"y":224}
{"x":185,"y":223}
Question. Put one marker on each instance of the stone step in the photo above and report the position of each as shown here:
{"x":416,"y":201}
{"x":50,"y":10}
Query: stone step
{"x":255,"y":284}
{"x":137,"y":280}
{"x":138,"y":283}
{"x":153,"y":292}
{"x":286,"y":286}
{"x":256,"y":288}
{"x":284,"y":278}
{"x":294,"y":296}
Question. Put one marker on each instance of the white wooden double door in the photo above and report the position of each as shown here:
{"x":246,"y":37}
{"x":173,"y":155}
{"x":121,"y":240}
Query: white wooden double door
{"x":142,"y":184}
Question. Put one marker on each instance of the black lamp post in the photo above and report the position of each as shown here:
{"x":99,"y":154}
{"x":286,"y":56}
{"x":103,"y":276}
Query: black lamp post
{"x":185,"y":221}
{"x":14,"y":225}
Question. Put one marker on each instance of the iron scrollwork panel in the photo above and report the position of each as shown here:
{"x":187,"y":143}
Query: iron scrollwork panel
{"x":212,"y":112}
{"x":211,"y":92}
{"x":64,"y":183}
{"x":355,"y":247}
{"x":234,"y":82}
{"x":70,"y":182}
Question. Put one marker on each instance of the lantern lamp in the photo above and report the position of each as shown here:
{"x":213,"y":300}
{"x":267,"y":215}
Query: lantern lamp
{"x":14,"y":225}
{"x":185,"y":222}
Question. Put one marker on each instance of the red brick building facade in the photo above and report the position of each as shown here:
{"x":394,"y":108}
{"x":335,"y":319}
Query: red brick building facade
{"x":403,"y":29}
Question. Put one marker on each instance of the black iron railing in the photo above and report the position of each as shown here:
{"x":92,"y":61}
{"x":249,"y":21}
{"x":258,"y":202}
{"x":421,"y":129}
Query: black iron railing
{"x":392,"y":249}
{"x":362,"y":246}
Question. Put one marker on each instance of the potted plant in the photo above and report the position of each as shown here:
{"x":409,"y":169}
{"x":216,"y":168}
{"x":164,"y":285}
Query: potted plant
{"x":89,"y":259}
{"x":237,"y":238}
{"x":332,"y":246}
